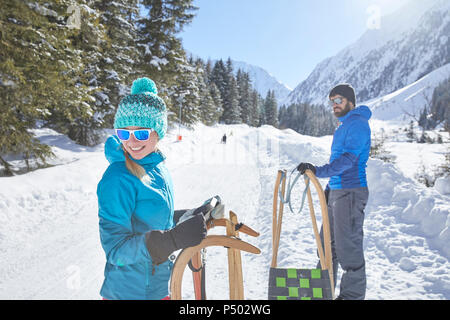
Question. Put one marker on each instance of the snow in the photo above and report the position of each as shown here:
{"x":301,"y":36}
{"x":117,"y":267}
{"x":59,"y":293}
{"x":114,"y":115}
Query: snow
{"x":442,"y":185}
{"x":412,"y":159}
{"x":49,"y":224}
{"x":146,"y":47}
{"x":42,"y":10}
{"x":156,"y":61}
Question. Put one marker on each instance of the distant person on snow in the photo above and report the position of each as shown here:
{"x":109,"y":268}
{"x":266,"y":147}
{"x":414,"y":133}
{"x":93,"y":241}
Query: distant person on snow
{"x":135,"y":200}
{"x":224,"y":138}
{"x":347,"y":192}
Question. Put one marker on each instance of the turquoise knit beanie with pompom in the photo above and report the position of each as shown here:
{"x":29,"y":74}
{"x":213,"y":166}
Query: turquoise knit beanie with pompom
{"x":142,"y":108}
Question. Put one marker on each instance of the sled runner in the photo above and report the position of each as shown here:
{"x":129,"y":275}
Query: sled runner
{"x":293,"y":283}
{"x":194,"y":257}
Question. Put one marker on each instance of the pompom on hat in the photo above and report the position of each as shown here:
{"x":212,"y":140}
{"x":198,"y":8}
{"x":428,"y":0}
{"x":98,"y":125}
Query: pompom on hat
{"x":142,"y":108}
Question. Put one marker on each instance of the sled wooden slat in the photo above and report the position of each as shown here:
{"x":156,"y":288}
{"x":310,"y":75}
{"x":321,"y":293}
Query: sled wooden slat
{"x":277,"y":218}
{"x":239,"y":279}
{"x":325,"y":258}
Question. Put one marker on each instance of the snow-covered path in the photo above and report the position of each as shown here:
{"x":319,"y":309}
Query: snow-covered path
{"x":49,"y":233}
{"x":49,"y":226}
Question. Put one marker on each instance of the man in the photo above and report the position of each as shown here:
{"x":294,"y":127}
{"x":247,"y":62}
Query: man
{"x":347,"y":191}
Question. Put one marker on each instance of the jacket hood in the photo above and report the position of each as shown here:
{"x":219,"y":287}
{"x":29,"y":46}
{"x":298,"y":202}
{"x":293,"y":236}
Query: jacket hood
{"x":114,"y":153}
{"x":363,"y":111}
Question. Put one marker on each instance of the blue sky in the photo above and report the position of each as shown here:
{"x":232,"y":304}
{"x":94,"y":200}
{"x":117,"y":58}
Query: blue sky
{"x":288,"y":38}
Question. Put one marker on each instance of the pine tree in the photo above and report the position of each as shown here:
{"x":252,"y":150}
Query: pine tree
{"x":218,"y":109}
{"x":219,"y":78}
{"x":162,"y":55}
{"x":411,"y":135}
{"x":208,"y":71}
{"x":209,"y":94}
{"x":38,"y":63}
{"x":88,"y":43}
{"x":231,"y":111}
{"x":426,"y":121}
{"x":161,"y":49}
{"x":18,"y":83}
{"x":271,"y":112}
{"x":254,"y":108}
{"x":282,"y":117}
{"x":262,"y":113}
{"x":244,"y":88}
{"x":440,"y":110}
{"x":186,"y":93}
{"x":214,"y":93}
{"x":74,"y":39}
{"x":118,"y":66}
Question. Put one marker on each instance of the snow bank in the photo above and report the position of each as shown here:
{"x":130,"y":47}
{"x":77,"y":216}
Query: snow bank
{"x":424,"y":207}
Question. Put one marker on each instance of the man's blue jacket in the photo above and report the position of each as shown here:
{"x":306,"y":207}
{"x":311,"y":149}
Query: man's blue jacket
{"x":349,"y":151}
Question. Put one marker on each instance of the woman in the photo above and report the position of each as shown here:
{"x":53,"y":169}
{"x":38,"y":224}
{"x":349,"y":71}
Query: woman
{"x":135,"y":199}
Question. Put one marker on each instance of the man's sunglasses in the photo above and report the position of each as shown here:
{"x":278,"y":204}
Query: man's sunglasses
{"x":139,"y":134}
{"x":336,"y":101}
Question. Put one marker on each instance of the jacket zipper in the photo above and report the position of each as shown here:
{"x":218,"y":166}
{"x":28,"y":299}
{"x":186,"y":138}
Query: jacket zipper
{"x":165,"y":188}
{"x":147,"y":274}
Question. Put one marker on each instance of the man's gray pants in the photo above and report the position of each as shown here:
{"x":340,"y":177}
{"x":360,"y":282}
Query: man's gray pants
{"x":346,"y":215}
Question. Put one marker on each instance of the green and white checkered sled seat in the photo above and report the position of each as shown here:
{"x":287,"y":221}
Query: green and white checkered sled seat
{"x":299,"y":284}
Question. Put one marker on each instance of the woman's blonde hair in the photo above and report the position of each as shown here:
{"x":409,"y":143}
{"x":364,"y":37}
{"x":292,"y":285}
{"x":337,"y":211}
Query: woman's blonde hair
{"x":134,"y":168}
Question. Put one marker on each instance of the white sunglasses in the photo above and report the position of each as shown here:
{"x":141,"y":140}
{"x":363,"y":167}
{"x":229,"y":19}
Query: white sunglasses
{"x":139,"y":134}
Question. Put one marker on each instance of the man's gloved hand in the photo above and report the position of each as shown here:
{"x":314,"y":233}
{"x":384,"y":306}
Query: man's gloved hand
{"x":302,"y":167}
{"x":161,"y":244}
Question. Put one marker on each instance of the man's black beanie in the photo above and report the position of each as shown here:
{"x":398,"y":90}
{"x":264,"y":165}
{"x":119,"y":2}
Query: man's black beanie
{"x":344,"y":90}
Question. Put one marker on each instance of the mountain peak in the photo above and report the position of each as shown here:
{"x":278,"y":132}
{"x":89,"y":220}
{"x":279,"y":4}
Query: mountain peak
{"x":263,"y":81}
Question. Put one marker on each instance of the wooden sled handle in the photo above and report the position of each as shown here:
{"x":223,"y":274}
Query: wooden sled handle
{"x":277,"y":219}
{"x":326,"y":261}
{"x":186,"y":255}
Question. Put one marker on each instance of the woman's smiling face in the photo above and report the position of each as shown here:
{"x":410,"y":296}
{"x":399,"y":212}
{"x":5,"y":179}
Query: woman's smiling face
{"x":140,"y":149}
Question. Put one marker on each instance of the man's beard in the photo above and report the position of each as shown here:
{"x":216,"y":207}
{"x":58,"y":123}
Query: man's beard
{"x":343,"y":112}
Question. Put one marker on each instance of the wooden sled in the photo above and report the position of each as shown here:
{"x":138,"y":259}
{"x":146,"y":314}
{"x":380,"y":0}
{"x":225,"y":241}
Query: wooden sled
{"x":301,"y":284}
{"x":234,"y":247}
